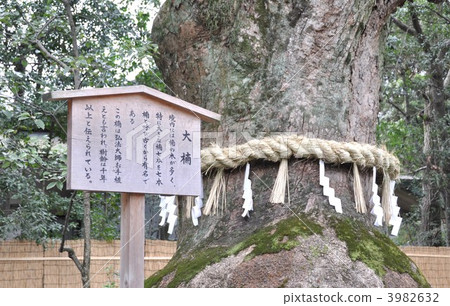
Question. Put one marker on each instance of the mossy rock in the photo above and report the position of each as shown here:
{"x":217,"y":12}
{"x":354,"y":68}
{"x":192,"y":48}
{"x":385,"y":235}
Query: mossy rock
{"x":268,"y":240}
{"x":375,"y":249}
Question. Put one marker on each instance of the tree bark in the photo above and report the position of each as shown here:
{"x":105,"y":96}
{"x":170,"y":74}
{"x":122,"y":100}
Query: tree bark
{"x":305,"y":67}
{"x":85,"y":267}
{"x":86,"y":272}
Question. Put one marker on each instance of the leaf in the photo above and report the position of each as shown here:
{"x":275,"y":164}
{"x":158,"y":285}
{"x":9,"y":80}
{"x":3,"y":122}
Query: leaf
{"x":59,"y":185}
{"x":51,"y":185}
{"x":24,"y":116}
{"x":39,"y":123}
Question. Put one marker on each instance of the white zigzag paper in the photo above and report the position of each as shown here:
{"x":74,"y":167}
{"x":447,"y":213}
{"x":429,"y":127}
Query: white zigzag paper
{"x":327,"y":190}
{"x":377,"y":210}
{"x":395,"y":220}
{"x":168,"y":212}
{"x":196,"y":210}
{"x":248,"y":193}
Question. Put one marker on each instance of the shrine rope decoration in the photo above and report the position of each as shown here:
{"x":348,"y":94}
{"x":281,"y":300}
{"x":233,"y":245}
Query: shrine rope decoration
{"x":280,"y":148}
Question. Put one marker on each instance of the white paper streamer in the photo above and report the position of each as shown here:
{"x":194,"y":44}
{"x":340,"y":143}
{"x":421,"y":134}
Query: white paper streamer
{"x":395,"y":220}
{"x":248,"y":193}
{"x":377,"y":210}
{"x":327,"y":190}
{"x":196,"y":210}
{"x":168,"y":212}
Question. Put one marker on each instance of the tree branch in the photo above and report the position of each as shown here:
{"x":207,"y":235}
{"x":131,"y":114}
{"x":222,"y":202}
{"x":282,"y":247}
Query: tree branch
{"x":73,"y":256}
{"x":416,"y":23}
{"x":403,"y":27}
{"x":397,"y":108}
{"x":87,"y":239}
{"x":70,"y":251}
{"x":73,"y":34}
{"x":447,"y":80}
{"x":437,"y":13}
{"x":38,"y":33}
{"x":38,"y":44}
{"x":45,"y":112}
{"x":66,"y":221}
{"x":50,"y":56}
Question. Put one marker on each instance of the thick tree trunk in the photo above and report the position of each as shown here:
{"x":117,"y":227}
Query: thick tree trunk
{"x":305,"y":67}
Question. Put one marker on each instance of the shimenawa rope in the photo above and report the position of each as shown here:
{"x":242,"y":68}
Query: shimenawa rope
{"x":279,"y":147}
{"x":282,"y":147}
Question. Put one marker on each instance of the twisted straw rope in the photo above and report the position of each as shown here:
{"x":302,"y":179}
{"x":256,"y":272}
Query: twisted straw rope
{"x":279,"y":147}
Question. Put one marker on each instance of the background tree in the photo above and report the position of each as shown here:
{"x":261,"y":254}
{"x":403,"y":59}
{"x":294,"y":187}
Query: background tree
{"x":415,"y":121}
{"x":306,"y":67}
{"x":57,"y":45}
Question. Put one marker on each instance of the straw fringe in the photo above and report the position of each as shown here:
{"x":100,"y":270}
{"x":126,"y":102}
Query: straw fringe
{"x":189,"y":204}
{"x":279,"y":188}
{"x":217,"y":193}
{"x":360,"y":202}
{"x":386,"y":197}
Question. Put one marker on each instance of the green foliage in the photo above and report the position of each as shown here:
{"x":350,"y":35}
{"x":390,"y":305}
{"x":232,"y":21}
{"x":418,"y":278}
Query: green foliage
{"x":113,"y":42}
{"x":113,"y":277}
{"x":37,"y":54}
{"x":29,"y":170}
{"x":415,"y":109}
{"x":105,"y":214}
{"x":403,"y":139}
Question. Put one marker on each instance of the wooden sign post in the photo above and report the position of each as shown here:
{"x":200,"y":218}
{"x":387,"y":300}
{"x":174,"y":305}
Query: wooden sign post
{"x":134,"y":140}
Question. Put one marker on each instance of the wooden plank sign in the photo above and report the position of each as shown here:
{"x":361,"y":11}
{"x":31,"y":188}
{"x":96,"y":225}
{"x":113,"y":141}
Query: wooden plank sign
{"x":133,"y":139}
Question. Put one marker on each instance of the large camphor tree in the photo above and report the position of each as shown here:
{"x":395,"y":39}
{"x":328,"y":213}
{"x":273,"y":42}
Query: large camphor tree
{"x":306,"y":67}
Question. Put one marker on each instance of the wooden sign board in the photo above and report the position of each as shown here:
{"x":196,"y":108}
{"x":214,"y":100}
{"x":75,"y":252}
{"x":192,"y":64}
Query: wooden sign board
{"x":134,"y":140}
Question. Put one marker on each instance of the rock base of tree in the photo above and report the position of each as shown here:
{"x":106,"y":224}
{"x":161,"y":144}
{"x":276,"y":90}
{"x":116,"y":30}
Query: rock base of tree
{"x":299,"y":251}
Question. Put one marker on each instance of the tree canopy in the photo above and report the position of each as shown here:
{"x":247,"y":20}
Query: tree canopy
{"x":414,"y":118}
{"x":55,"y":45}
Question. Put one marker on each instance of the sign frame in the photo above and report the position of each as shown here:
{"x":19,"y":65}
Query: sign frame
{"x":132,"y":202}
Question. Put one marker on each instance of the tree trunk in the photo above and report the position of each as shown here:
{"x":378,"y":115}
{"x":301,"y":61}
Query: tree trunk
{"x":435,"y":182}
{"x":86,"y":272}
{"x":305,"y":67}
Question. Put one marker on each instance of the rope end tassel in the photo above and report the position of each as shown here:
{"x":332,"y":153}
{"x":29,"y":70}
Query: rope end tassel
{"x":360,"y":202}
{"x":217,"y":193}
{"x":386,"y":197}
{"x":188,"y":207}
{"x":279,"y":188}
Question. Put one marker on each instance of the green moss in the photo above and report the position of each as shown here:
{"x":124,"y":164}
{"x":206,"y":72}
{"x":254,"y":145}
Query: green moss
{"x":284,"y":283}
{"x":318,"y":251}
{"x":186,"y":268}
{"x":263,"y":17}
{"x":270,"y":239}
{"x":376,"y":250}
{"x":217,"y":15}
{"x":282,"y":236}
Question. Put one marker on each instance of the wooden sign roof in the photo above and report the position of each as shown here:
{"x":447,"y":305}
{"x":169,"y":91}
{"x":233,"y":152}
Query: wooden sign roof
{"x":202,"y":113}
